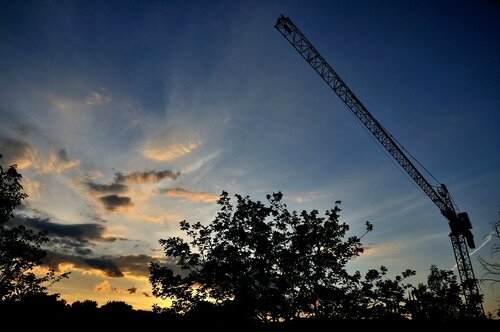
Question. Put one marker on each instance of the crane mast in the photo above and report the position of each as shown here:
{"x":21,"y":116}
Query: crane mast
{"x":460,"y":225}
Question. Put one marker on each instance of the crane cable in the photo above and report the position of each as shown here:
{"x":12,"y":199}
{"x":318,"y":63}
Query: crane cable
{"x":391,"y":158}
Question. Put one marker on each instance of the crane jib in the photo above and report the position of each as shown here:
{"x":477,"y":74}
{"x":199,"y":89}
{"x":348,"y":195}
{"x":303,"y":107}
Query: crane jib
{"x":459,"y":222}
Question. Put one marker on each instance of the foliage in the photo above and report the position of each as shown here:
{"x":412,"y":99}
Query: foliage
{"x":11,"y":195}
{"x":380,"y":297}
{"x":492,"y":266}
{"x":116,"y":307}
{"x":20,"y":248}
{"x":261,"y":260}
{"x":439,"y":299}
{"x":85,"y":307}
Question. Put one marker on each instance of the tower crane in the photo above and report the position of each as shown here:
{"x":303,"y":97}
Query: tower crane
{"x":459,"y":222}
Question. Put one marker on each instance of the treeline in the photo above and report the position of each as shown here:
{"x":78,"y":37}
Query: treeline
{"x":256,"y":263}
{"x":261,"y":261}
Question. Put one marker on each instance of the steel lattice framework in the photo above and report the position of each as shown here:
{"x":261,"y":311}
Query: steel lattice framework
{"x":459,"y":222}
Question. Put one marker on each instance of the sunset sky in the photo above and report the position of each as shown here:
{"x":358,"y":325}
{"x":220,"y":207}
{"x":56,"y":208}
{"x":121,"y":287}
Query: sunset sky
{"x":126,"y":117}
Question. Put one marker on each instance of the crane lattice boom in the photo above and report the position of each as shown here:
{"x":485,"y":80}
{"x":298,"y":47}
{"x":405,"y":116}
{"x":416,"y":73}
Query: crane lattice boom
{"x":459,"y":222}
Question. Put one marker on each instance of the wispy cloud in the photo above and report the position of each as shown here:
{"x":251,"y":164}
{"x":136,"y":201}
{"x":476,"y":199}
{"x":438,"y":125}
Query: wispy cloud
{"x":31,"y":187}
{"x":167,"y":147}
{"x":487,"y":239}
{"x":93,"y":99}
{"x":96,"y":98}
{"x":58,"y":162}
{"x":306,"y":197}
{"x":378,"y":249}
{"x":26,"y":156}
{"x":17,"y":152}
{"x":190,"y":195}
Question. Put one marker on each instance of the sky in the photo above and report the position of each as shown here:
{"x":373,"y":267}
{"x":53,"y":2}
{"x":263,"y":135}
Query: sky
{"x":126,"y":117}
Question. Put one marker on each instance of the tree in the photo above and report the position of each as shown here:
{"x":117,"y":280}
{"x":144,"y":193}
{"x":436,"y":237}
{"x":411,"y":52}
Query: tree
{"x":492,"y":267}
{"x":380,"y":297}
{"x":261,"y":261}
{"x":439,"y":299}
{"x":116,"y":308}
{"x":87,"y":307}
{"x":20,"y":248}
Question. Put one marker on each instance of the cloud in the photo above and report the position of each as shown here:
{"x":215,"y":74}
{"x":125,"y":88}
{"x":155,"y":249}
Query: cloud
{"x":117,"y":290}
{"x":107,"y":266}
{"x":93,"y":99}
{"x":307,"y":197}
{"x":146,"y":294}
{"x":32,"y":188}
{"x":80,"y":232}
{"x":132,"y":290}
{"x":67,"y":239}
{"x":25,"y":156}
{"x":114,"y":202}
{"x":146,"y":176}
{"x":168,"y":149}
{"x":487,"y":239}
{"x":103,"y":286}
{"x":190,"y":195}
{"x":113,"y":188}
{"x":17,"y":152}
{"x":100,"y":266}
{"x":111,"y":201}
{"x":60,"y":162}
{"x":377,"y":249}
{"x":137,"y":265}
{"x":57,"y":162}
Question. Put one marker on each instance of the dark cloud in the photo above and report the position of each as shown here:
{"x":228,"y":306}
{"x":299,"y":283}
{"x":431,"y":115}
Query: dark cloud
{"x":111,"y":266}
{"x":80,"y":232}
{"x":115,"y":202}
{"x":134,"y":264}
{"x":70,"y":246}
{"x":146,"y":294}
{"x":94,"y":217}
{"x":111,"y":200}
{"x":113,"y":188}
{"x":146,"y":176}
{"x":63,"y":155}
{"x":132,"y":290}
{"x":68,"y":239}
{"x":102,"y":264}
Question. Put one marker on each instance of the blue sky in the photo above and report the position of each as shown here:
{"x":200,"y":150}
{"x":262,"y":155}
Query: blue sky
{"x":184,"y":99}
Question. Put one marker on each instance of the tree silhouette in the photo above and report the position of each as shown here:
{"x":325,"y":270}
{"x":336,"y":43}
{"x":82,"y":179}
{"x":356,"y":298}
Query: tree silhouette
{"x":261,"y":261}
{"x":116,"y":308}
{"x":87,"y":307}
{"x":20,"y":248}
{"x":380,"y":297}
{"x":492,"y":266}
{"x":439,"y":299}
